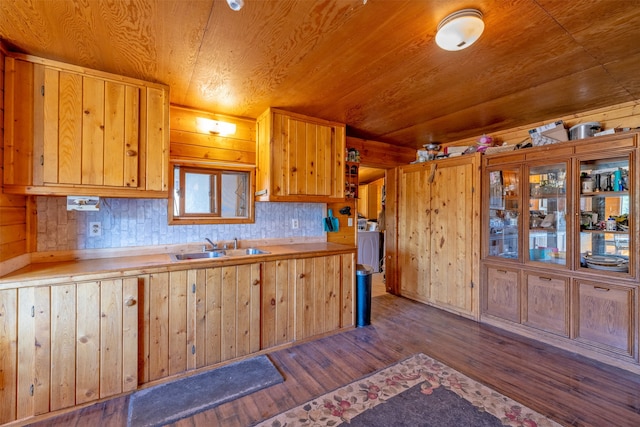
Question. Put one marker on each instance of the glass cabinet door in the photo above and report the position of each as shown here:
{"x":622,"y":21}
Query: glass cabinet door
{"x":547,"y":227}
{"x":504,"y":213}
{"x":605,"y":212}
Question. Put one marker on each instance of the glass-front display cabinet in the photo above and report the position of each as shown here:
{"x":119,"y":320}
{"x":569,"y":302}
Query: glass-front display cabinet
{"x":504,"y":213}
{"x":605,"y":214}
{"x":547,"y":214}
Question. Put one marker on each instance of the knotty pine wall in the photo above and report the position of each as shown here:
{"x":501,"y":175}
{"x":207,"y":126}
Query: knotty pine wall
{"x":13,"y":209}
{"x":620,"y":115}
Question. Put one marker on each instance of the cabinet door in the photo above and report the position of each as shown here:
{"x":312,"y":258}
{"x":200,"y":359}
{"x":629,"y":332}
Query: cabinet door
{"x":91,"y":131}
{"x":453,"y":233}
{"x":504,"y":213}
{"x":605,"y":316}
{"x":309,"y":147}
{"x":502,"y":293}
{"x":299,"y":158}
{"x":278,"y":298}
{"x":76,"y":343}
{"x":196,"y":318}
{"x":547,"y":215}
{"x":547,"y":303}
{"x":414,"y":221}
{"x":317,"y":295}
{"x":71,"y":128}
{"x":607,"y":214}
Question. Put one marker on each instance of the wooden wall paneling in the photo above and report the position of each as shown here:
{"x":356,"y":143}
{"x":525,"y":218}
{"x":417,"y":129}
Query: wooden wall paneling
{"x":130,"y":335}
{"x":381,"y":154}
{"x":178,"y":322}
{"x":88,"y":350}
{"x":346,"y":233}
{"x":8,"y":354}
{"x":63,"y":346}
{"x":213,"y":315}
{"x":158,"y":320}
{"x":93,"y":125}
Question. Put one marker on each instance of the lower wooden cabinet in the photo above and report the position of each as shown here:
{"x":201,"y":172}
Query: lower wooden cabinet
{"x":64,"y":345}
{"x":502,"y":293}
{"x":597,"y":317}
{"x":199,"y":317}
{"x":605,"y":316}
{"x":546,"y":303}
{"x":68,"y":344}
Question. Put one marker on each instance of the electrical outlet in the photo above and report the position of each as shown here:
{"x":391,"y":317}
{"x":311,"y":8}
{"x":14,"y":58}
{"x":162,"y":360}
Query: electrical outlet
{"x":350,"y":222}
{"x":295,"y":224}
{"x":95,"y":229}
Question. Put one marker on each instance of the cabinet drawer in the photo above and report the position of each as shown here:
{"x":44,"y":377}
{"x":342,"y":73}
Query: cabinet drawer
{"x":605,"y":316}
{"x":502,"y":298}
{"x":547,"y":303}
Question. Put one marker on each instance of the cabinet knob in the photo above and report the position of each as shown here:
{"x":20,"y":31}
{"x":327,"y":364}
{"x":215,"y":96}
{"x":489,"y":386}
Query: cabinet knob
{"x":131,"y":153}
{"x":130,"y":302}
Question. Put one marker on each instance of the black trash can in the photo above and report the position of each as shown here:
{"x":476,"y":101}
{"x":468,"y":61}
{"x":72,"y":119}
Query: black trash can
{"x":363,"y":294}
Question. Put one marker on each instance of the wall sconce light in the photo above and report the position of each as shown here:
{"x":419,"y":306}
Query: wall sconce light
{"x":460,"y":29}
{"x":235,"y":4}
{"x":215,"y":127}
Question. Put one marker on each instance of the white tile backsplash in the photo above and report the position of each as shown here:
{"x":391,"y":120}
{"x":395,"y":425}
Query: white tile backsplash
{"x":143,"y":222}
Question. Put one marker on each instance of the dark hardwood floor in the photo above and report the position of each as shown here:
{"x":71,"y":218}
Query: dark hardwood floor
{"x":566,"y":387}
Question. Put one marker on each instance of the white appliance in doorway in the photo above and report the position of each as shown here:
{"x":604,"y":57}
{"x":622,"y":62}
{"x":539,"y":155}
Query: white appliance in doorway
{"x":369,"y":249}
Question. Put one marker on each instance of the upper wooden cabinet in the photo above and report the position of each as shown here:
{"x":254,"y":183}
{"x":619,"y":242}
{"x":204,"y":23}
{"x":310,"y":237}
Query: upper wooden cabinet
{"x":299,"y":159}
{"x":69,"y":130}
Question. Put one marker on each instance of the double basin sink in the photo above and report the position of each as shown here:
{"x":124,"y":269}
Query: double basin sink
{"x":218,"y":253}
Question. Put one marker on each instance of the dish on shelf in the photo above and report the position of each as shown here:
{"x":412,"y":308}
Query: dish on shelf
{"x":607,"y":262}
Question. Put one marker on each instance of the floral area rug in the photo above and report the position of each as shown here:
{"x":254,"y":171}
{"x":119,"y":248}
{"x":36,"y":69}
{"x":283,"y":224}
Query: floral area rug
{"x":418,"y":391}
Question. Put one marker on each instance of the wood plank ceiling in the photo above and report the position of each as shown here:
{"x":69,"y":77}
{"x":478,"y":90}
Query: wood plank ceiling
{"x":373,"y":65}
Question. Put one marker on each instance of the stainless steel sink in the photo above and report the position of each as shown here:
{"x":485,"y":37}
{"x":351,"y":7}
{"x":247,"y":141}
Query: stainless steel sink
{"x":224,"y":253}
{"x":247,"y":251}
{"x":198,"y":255}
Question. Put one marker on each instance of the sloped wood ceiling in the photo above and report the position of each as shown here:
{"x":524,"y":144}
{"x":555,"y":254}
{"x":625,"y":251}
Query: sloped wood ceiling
{"x":373,"y":65}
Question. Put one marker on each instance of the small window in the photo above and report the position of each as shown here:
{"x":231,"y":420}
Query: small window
{"x":205,"y":194}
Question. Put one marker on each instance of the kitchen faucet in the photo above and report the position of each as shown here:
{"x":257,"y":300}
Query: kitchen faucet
{"x":235,"y":243}
{"x":213,"y":245}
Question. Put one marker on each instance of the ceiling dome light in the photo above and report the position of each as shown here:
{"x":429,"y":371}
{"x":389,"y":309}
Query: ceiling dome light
{"x":235,"y":4}
{"x":460,"y":29}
